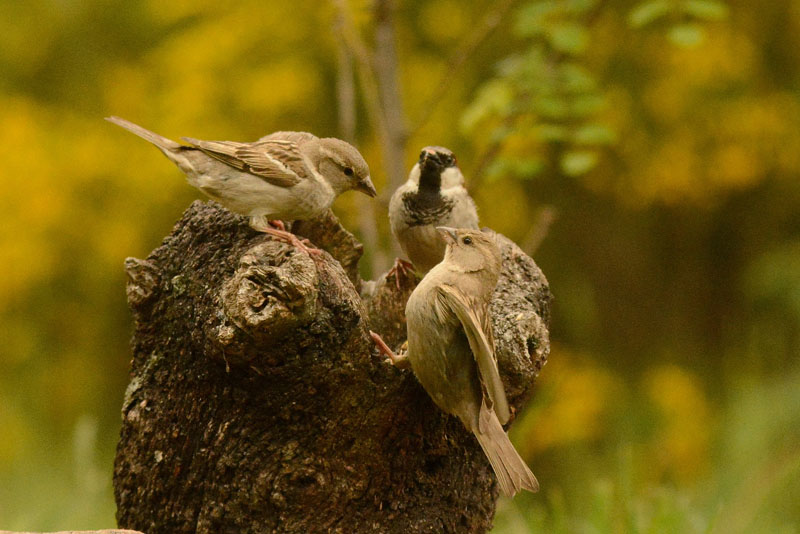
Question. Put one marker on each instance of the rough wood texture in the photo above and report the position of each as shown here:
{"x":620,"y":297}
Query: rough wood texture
{"x":77,"y":532}
{"x":258,"y":402}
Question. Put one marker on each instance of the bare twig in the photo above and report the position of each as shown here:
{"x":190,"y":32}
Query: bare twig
{"x":539,"y":230}
{"x":385,"y":62}
{"x":346,"y":100}
{"x":345,"y":85}
{"x":377,"y":78}
{"x":475,"y":38}
{"x":378,"y":81}
{"x":488,"y":156}
{"x":366,"y":76}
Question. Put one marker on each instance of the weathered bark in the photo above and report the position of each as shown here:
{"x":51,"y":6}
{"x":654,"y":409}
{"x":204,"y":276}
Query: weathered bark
{"x":258,"y":402}
{"x":76,"y":532}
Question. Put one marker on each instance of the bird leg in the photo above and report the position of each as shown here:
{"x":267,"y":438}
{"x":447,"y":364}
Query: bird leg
{"x":398,"y":360}
{"x":400,"y":267}
{"x":277,"y":223}
{"x":277,"y":230}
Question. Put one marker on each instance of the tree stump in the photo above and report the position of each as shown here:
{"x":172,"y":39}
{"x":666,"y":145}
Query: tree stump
{"x":258,"y":402}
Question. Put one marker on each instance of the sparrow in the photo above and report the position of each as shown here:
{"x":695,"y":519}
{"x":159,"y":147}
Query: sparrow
{"x":284,"y":175}
{"x":451,"y":348}
{"x":434,"y":195}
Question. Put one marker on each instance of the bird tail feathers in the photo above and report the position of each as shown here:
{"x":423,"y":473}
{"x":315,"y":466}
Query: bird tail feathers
{"x":160,"y":141}
{"x":512,"y":472}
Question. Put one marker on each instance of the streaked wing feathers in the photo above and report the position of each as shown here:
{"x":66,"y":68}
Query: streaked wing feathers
{"x":277,"y":161}
{"x":297,"y":138}
{"x":475,"y":320}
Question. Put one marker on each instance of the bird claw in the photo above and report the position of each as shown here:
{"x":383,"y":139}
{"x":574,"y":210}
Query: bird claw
{"x":400,"y":268}
{"x":305,"y":245}
{"x":278,"y":230}
{"x":277,"y":223}
{"x":311,"y":250}
{"x":398,"y":360}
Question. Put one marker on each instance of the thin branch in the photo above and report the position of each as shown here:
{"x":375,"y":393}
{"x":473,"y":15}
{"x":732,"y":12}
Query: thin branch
{"x":345,"y":85}
{"x":346,"y":108}
{"x":487,"y":157}
{"x":539,"y":230}
{"x":372,"y":91}
{"x":366,"y":76}
{"x":476,"y":37}
{"x":385,"y":63}
{"x":354,"y":48}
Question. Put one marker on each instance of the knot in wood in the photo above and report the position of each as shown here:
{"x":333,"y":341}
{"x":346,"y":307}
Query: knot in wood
{"x":143,"y":279}
{"x":274,"y":290}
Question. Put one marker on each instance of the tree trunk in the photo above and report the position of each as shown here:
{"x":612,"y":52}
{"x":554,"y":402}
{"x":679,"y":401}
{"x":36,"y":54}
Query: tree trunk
{"x":76,"y":532}
{"x":258,"y":403}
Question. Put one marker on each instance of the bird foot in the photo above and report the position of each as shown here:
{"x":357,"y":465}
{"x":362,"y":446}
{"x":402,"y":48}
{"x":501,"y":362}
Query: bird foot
{"x":400,"y":268}
{"x":277,"y":230}
{"x":277,"y":223}
{"x":398,"y":360}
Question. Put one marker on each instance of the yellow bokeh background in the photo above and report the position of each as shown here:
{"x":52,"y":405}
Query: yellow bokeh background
{"x":673,"y":250}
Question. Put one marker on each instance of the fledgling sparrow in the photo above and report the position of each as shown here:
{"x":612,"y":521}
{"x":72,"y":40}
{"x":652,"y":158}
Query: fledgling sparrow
{"x":434,"y":195}
{"x":451,"y":348}
{"x":284,"y":175}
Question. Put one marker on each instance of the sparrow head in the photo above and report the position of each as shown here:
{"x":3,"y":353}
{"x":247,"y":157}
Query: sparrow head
{"x":438,"y":156}
{"x":344,"y":167}
{"x":471,"y":250}
{"x":440,"y":162}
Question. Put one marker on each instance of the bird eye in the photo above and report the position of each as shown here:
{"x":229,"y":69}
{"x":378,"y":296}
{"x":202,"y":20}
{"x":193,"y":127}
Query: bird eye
{"x":467,"y":240}
{"x":348,"y":171}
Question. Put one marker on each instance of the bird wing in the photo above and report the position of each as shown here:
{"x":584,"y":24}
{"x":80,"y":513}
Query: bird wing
{"x":474,"y":318}
{"x":295,"y":137}
{"x":278,"y":161}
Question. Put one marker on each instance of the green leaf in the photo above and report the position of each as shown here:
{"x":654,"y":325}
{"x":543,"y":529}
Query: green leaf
{"x":594,"y":134}
{"x":706,"y":9}
{"x":511,"y":65}
{"x":686,"y":35}
{"x":576,"y":78}
{"x":528,"y":168}
{"x":552,"y":132}
{"x":774,"y":277}
{"x":570,"y":38}
{"x":585,"y":105}
{"x":579,"y":6}
{"x":497,"y":169}
{"x":494,"y":99}
{"x":552,"y":107}
{"x":647,"y":12}
{"x":500,"y":134}
{"x":577,"y":162}
{"x":531,"y":19}
{"x":522,"y":167}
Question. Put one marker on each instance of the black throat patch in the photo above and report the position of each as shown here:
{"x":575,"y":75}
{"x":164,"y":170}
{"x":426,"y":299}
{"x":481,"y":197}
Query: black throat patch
{"x":425,"y":207}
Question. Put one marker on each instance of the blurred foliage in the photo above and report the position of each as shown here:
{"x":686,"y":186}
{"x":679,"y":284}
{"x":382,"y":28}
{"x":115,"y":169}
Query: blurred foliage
{"x":663,"y":133}
{"x":542,"y":96}
{"x":659,"y":456}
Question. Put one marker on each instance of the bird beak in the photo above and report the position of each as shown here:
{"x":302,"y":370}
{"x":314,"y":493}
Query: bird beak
{"x":449,"y":234}
{"x":366,"y":187}
{"x":428,"y":154}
